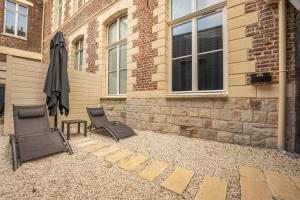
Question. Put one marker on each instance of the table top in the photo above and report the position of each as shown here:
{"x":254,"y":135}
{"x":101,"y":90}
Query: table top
{"x":73,"y":121}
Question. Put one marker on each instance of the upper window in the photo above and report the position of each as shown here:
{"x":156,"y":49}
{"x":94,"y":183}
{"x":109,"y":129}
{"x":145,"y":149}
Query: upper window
{"x":79,"y":55}
{"x":117,"y":57}
{"x":16,"y":17}
{"x":197,"y":50}
{"x":60,"y":12}
{"x":80,"y":3}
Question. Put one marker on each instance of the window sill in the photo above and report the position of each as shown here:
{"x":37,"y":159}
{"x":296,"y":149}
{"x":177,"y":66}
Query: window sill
{"x":197,"y":95}
{"x":113,"y":97}
{"x":14,"y":36}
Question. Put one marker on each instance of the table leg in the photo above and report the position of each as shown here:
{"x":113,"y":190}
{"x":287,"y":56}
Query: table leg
{"x":85,"y":129}
{"x":78,"y":130}
{"x":68,"y":131}
{"x":62,"y":126}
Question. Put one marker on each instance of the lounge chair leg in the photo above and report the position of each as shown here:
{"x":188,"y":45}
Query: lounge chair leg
{"x":14,"y":152}
{"x":69,"y":148}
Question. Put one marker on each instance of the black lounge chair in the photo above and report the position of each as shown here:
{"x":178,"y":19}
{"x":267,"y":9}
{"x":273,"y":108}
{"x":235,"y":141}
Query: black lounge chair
{"x":117,"y":130}
{"x":33,"y":136}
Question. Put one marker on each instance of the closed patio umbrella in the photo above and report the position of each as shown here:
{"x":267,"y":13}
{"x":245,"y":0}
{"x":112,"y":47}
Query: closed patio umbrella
{"x":57,"y":82}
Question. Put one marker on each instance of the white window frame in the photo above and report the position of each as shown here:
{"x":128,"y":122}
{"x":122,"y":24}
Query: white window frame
{"x":16,"y":19}
{"x":77,"y":53}
{"x":193,"y":17}
{"x":117,"y":45}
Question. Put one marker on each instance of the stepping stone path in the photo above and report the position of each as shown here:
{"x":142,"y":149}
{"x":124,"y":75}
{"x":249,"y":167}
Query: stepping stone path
{"x":178,"y":180}
{"x":119,"y":156}
{"x":212,"y":189}
{"x":134,"y":162}
{"x":255,"y":184}
{"x":267,"y":185}
{"x":154,"y":170}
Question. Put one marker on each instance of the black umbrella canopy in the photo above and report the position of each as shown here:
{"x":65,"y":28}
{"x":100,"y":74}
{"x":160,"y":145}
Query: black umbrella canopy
{"x":57,"y":82}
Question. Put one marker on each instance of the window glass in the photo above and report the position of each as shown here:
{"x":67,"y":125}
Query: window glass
{"x":181,"y":8}
{"x":10,"y":22}
{"x":80,"y":3}
{"x":210,"y":71}
{"x":182,"y":74}
{"x":201,"y":4}
{"x":123,"y":81}
{"x":112,"y":59}
{"x":123,"y":27}
{"x":123,"y":56}
{"x":22,"y":10}
{"x":112,"y":33}
{"x":210,"y":33}
{"x":11,"y":5}
{"x":112,"y":82}
{"x":182,"y":40}
{"x":22,"y":25}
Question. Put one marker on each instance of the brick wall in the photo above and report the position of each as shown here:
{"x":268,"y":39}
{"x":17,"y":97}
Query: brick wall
{"x":67,"y":9}
{"x":92,"y":45}
{"x":33,"y":42}
{"x":145,"y":57}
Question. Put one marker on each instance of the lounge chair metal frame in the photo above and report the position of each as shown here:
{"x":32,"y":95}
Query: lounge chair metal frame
{"x":15,"y":148}
{"x":94,"y":126}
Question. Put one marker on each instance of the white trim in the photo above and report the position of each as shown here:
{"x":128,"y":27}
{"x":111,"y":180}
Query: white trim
{"x":17,"y":13}
{"x":193,"y":19}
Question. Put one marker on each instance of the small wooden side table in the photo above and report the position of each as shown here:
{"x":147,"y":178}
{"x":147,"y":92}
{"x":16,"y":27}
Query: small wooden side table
{"x":74,"y":121}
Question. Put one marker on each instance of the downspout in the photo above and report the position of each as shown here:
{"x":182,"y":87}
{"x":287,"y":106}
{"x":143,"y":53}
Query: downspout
{"x":282,"y":75}
{"x":43,"y":23}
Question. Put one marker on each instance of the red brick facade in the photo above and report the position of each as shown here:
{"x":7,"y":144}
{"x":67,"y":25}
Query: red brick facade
{"x":265,"y":35}
{"x":34,"y":32}
{"x":145,"y":57}
{"x":92,"y":46}
{"x":67,"y":9}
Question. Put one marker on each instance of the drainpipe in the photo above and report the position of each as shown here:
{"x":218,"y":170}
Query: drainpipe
{"x":282,"y":75}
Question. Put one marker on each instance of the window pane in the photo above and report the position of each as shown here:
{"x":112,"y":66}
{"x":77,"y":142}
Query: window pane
{"x":80,"y":3}
{"x":22,"y":26}
{"x":112,"y":59}
{"x":181,"y":8}
{"x":22,"y":10}
{"x":210,"y":33}
{"x":210,"y":71}
{"x":10,"y":22}
{"x":182,"y":74}
{"x":201,"y":4}
{"x":112,"y":83}
{"x":182,"y":40}
{"x":112,"y":33}
{"x":11,"y":5}
{"x":80,"y":60}
{"x":123,"y":27}
{"x":123,"y":81}
{"x":123,"y":56}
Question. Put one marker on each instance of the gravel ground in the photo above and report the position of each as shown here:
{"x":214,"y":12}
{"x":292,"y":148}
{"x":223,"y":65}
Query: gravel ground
{"x":85,"y":176}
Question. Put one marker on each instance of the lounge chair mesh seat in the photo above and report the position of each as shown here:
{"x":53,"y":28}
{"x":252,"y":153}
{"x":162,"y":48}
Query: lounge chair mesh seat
{"x":117,"y":130}
{"x":33,"y":136}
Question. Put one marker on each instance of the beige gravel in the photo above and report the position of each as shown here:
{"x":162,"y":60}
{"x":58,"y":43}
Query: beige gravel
{"x":85,"y":176}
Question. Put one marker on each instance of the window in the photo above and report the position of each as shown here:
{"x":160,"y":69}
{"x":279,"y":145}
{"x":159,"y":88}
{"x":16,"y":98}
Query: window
{"x":117,"y":57}
{"x":197,"y":48}
{"x":79,"y":55}
{"x":60,"y":12}
{"x":80,"y":3}
{"x":16,"y":17}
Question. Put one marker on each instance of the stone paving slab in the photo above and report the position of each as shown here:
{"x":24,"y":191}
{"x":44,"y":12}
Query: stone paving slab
{"x":105,"y":151}
{"x":178,"y":181}
{"x":282,"y":187}
{"x":95,"y":147}
{"x":87,"y":143}
{"x":119,"y":156}
{"x":212,"y":189}
{"x":152,"y":171}
{"x":252,"y":189}
{"x":251,"y":173}
{"x":133,"y":162}
{"x":296,"y":181}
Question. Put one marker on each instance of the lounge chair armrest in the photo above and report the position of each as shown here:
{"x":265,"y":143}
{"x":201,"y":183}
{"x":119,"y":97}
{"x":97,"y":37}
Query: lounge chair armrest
{"x":64,"y":139}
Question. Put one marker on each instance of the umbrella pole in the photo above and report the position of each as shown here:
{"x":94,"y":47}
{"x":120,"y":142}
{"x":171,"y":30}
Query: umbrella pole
{"x":55,"y":121}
